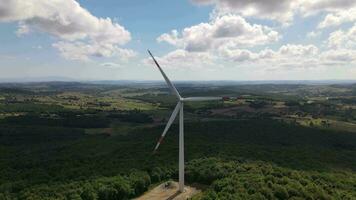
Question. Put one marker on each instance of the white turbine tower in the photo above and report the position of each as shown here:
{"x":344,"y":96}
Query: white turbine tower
{"x":179,"y":109}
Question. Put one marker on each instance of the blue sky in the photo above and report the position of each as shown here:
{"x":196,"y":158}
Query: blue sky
{"x":192,"y":39}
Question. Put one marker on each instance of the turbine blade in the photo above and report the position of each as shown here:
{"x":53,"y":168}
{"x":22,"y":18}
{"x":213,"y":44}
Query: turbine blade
{"x":170,"y":85}
{"x":169,"y":123}
{"x":203,"y":99}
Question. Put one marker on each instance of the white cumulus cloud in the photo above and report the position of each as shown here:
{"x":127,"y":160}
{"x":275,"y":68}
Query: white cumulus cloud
{"x":338,"y":18}
{"x":227,"y":30}
{"x":182,"y":59}
{"x":290,"y":53}
{"x":343,"y":38}
{"x":340,"y":56}
{"x":80,"y":32}
{"x":281,"y":10}
{"x":285,"y":10}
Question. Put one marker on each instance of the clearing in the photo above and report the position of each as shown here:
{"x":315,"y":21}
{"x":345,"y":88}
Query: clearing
{"x":169,"y":191}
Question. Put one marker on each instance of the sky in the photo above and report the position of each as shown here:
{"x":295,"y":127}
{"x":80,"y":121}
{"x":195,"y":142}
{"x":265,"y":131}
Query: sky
{"x":192,"y":39}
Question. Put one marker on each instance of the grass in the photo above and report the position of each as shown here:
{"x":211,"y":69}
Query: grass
{"x":324,"y":123}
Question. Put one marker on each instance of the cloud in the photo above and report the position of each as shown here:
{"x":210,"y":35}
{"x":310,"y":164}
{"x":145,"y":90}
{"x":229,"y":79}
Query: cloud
{"x":239,"y":55}
{"x":229,"y":39}
{"x":289,"y":53}
{"x":310,"y":7}
{"x":111,"y":65}
{"x":338,"y":11}
{"x":284,"y":10}
{"x":338,"y":18}
{"x":298,"y":50}
{"x":288,"y":56}
{"x":227,"y":30}
{"x":291,"y":56}
{"x":76,"y":27}
{"x":313,"y":34}
{"x":182,"y":59}
{"x":340,"y":56}
{"x":269,"y":9}
{"x":343,"y":39}
{"x":82,"y":51}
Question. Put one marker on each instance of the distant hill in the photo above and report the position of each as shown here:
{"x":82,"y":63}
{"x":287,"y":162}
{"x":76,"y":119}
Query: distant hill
{"x":210,"y":82}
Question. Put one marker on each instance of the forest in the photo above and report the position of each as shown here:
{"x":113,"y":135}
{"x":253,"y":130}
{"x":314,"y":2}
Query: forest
{"x":95,"y":141}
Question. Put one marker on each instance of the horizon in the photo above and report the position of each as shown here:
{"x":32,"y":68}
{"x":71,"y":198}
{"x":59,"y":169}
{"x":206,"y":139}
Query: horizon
{"x":108,"y":81}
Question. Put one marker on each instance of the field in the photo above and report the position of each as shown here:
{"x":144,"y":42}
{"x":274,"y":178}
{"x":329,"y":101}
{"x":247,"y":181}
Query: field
{"x":63,"y":140}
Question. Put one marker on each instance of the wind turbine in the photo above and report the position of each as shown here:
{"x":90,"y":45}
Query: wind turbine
{"x":179,"y":109}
